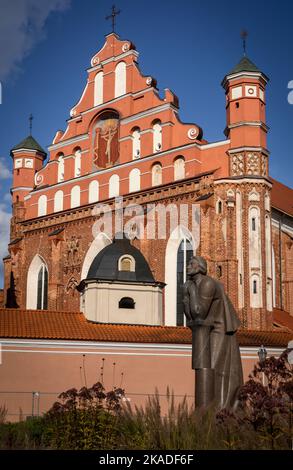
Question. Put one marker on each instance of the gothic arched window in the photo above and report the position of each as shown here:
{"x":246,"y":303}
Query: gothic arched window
{"x":184,"y":254}
{"x":42,"y":295}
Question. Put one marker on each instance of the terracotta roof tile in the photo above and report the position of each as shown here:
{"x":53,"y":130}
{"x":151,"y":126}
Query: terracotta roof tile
{"x":283,"y":319}
{"x":40,"y":324}
{"x":282,"y":197}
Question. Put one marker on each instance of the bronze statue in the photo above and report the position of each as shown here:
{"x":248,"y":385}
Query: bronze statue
{"x":215,"y":351}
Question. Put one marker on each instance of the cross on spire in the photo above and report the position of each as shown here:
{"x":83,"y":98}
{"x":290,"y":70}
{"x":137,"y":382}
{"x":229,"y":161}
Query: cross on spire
{"x":244,"y":35}
{"x":113,"y":17}
{"x":31,"y":123}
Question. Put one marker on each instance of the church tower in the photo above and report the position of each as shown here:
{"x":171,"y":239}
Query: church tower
{"x":28,"y":157}
{"x":249,"y":189}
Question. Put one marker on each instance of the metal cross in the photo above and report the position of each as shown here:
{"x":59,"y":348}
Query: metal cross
{"x":244,"y":35}
{"x":31,"y":123}
{"x":113,"y":16}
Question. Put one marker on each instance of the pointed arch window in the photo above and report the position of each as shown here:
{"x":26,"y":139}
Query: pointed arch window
{"x":42,"y":286}
{"x":184,"y":254}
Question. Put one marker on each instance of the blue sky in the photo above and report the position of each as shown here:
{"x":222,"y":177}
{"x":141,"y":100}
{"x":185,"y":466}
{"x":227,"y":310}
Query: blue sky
{"x":188,"y":46}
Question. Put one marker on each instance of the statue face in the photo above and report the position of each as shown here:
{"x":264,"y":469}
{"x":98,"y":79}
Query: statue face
{"x":193,"y":267}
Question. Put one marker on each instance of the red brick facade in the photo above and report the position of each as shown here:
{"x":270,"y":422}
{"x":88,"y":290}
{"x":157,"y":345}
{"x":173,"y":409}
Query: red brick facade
{"x":112,"y":131}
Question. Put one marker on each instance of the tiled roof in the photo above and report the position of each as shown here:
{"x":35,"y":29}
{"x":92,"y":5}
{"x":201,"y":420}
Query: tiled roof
{"x":29,"y":143}
{"x":282,"y":197}
{"x":245,"y":65}
{"x":283,"y":319}
{"x":40,"y":324}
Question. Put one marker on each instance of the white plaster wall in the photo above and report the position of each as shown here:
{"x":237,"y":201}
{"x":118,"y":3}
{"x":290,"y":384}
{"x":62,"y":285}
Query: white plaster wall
{"x":102,"y":303}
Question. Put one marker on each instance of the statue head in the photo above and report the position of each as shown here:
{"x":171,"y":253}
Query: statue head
{"x":196,"y":265}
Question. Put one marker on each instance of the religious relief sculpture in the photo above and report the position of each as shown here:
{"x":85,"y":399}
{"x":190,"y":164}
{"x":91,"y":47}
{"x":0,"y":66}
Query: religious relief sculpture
{"x":106,"y":143}
{"x":215,"y":352}
{"x":73,"y":259}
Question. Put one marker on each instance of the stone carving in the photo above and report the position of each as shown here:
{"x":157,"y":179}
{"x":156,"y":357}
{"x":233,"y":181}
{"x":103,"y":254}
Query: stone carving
{"x":71,"y":285}
{"x":237,"y":165}
{"x":193,"y":133}
{"x":73,"y":259}
{"x":252,"y":164}
{"x":215,"y":352}
{"x":264,"y":171}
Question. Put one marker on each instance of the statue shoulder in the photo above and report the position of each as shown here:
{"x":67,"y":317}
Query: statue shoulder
{"x":208,"y":286}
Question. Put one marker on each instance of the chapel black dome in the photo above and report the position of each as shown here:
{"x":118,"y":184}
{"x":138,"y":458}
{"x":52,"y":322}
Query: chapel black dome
{"x":105,"y":264}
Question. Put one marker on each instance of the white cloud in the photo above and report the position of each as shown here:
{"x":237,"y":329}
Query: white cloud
{"x":4,"y":236}
{"x":22,"y":24}
{"x":5,"y":173}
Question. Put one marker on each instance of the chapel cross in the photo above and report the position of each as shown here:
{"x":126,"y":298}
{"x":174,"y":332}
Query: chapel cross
{"x":113,"y":16}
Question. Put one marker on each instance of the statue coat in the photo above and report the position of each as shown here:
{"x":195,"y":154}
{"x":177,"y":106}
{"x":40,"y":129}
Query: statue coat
{"x":214,"y":322}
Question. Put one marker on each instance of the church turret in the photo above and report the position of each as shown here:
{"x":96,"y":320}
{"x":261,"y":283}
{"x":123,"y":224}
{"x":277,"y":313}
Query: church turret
{"x":28,"y":157}
{"x":245,"y":104}
{"x":249,"y":190}
{"x":246,"y":120}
